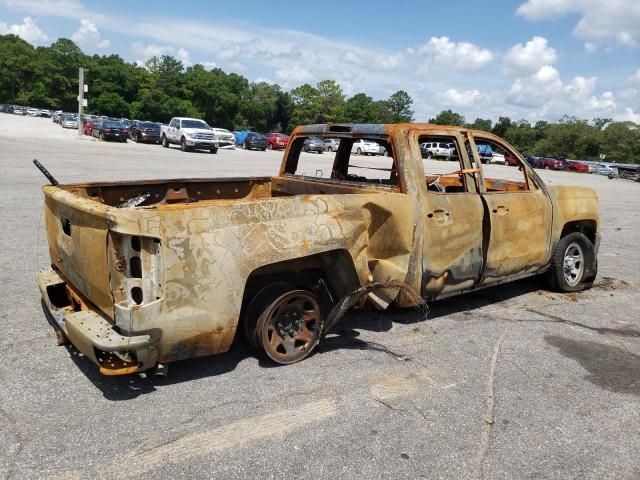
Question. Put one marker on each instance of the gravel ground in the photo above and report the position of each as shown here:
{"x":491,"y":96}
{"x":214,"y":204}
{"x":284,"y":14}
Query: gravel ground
{"x":509,"y":382}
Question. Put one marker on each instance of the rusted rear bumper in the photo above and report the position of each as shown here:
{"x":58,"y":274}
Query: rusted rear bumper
{"x":90,"y":332}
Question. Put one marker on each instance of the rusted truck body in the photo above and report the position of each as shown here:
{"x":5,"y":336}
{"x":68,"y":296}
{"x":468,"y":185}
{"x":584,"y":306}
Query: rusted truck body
{"x":201,"y":259}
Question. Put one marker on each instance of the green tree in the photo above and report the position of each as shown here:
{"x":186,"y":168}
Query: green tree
{"x":360,"y":109}
{"x":481,"y":124}
{"x":331,"y":102}
{"x":501,"y":126}
{"x":448,"y":117}
{"x":399,"y":107}
{"x":112,"y":105}
{"x":306,"y":104}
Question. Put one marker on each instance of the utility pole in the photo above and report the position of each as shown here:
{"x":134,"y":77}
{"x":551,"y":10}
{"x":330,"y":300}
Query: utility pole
{"x":80,"y":99}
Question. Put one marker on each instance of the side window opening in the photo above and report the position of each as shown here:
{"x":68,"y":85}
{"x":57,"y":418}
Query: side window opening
{"x":502,"y":169}
{"x":443,"y":165}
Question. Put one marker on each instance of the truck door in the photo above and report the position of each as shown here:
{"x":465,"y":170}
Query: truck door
{"x":173,"y":129}
{"x":453,"y":215}
{"x":519,"y":212}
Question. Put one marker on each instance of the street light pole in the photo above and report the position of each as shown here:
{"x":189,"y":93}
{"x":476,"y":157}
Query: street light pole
{"x":80,"y":99}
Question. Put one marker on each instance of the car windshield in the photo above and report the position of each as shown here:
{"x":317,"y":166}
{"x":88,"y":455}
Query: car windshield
{"x":194,"y":124}
{"x":113,"y":124}
{"x":148,"y":125}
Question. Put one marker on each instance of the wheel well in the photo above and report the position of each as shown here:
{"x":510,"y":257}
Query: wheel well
{"x":586,"y":227}
{"x":335,"y":268}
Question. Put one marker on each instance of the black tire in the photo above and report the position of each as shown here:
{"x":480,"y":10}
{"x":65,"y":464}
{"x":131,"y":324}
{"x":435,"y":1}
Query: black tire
{"x":164,"y":141}
{"x":101,"y":136}
{"x":213,"y":150}
{"x":269,"y":146}
{"x":261,"y":300}
{"x":183,"y":145}
{"x":359,"y":151}
{"x":546,"y":167}
{"x":264,"y":149}
{"x":136,"y":138}
{"x":573,"y":264}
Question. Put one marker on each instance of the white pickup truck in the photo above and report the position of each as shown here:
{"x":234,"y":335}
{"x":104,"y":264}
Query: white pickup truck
{"x":189,"y":133}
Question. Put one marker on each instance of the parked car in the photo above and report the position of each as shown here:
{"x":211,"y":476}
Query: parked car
{"x":19,"y":111}
{"x":551,"y":163}
{"x":241,"y":135}
{"x":225,"y":138}
{"x":189,"y":133}
{"x":510,"y":160}
{"x":366,"y":147}
{"x":110,"y":129}
{"x":33,"y":112}
{"x":87,"y":126}
{"x":144,"y":131}
{"x":607,"y":169}
{"x":436,"y":149}
{"x":485,"y":152}
{"x":497,"y":159}
{"x":316,"y":144}
{"x":255,"y":141}
{"x":68,"y":121}
{"x":45,"y":113}
{"x":575,"y":166}
{"x":331,"y":144}
{"x":276,"y":141}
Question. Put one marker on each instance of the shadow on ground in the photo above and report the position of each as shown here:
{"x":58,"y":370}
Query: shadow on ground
{"x":611,"y":368}
{"x":345,"y":335}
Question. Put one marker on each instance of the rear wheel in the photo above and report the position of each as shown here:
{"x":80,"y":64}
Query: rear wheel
{"x":137,"y":138}
{"x":573,"y":265}
{"x":359,"y":151}
{"x":269,"y":146}
{"x":288,"y":322}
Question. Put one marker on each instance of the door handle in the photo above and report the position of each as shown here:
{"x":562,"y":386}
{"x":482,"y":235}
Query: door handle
{"x":500,"y":210}
{"x":440,"y":215}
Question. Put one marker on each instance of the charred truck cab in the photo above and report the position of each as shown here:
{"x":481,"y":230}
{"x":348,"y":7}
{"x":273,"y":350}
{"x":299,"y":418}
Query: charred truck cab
{"x":146,"y":273}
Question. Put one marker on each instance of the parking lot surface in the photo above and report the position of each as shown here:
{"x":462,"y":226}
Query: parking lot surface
{"x":509,"y":382}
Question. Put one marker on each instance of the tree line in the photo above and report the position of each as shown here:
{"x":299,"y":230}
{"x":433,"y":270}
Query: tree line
{"x":47,"y":77}
{"x":570,"y":137}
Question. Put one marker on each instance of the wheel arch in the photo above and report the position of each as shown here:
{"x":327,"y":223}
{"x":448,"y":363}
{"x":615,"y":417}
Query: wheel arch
{"x":587,"y":227}
{"x":335,"y":267}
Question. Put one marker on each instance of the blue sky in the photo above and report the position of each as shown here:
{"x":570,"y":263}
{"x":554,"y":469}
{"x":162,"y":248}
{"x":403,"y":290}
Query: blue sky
{"x":532,"y":59}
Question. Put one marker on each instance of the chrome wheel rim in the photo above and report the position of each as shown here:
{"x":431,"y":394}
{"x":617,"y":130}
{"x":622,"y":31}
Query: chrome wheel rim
{"x":573,"y":264}
{"x":290,"y":327}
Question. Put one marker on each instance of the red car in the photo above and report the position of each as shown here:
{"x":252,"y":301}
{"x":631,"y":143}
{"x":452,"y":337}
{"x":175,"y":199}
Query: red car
{"x":276,"y":141}
{"x":87,"y":125}
{"x":551,"y":163}
{"x":576,"y":166}
{"x":510,"y":160}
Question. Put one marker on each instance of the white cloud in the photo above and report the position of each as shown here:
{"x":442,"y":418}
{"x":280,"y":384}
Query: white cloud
{"x":294,"y":75}
{"x":184,"y":57}
{"x":529,"y":58}
{"x":630,"y":115}
{"x":88,"y":36}
{"x":589,"y":47}
{"x":27,"y":30}
{"x":456,"y":55}
{"x":151,"y":50}
{"x":209,"y":65}
{"x":458,"y":98}
{"x":636,"y":76}
{"x":613,"y":20}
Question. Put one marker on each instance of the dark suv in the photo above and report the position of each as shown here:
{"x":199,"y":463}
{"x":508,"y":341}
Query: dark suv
{"x":255,"y":141}
{"x":144,"y":131}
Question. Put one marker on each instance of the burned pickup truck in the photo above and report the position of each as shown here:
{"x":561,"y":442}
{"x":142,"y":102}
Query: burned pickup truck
{"x":150,"y":272}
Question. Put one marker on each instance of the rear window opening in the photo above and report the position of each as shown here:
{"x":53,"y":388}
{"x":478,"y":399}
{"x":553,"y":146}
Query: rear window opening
{"x":365,"y":160}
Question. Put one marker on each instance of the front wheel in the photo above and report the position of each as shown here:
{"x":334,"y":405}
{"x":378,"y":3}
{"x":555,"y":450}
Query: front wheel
{"x":183,"y":145}
{"x":359,"y":151}
{"x":164,"y":142}
{"x":213,"y":150}
{"x":573,"y":264}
